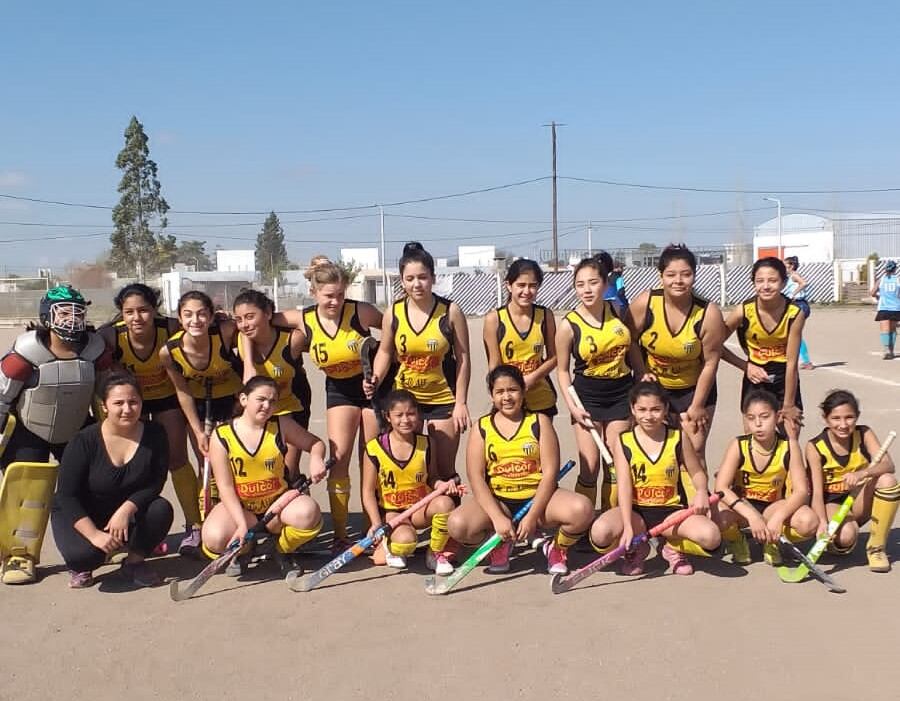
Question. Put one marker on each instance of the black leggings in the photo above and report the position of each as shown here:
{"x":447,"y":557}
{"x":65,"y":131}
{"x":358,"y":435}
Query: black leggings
{"x":147,"y":530}
{"x":25,"y":446}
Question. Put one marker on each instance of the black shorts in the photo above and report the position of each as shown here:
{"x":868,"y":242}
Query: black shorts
{"x":885,"y":315}
{"x":152,"y":407}
{"x":345,"y":392}
{"x":436,"y":412}
{"x":680,"y":399}
{"x":759,"y":505}
{"x":302,"y":417}
{"x":222,"y":409}
{"x":550,"y":411}
{"x":652,"y":516}
{"x":779,"y":371}
{"x":514,"y":505}
{"x":836,"y":498}
{"x":605,"y":400}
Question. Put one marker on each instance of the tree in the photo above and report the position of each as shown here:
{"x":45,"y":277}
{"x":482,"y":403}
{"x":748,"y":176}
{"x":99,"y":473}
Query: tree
{"x":271,"y":255}
{"x":194,"y":253}
{"x":350,"y":268}
{"x":136,"y":249}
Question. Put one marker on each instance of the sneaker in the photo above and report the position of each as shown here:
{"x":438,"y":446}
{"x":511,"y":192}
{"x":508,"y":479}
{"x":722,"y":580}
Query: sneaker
{"x":739,"y":549}
{"x":80,"y":580}
{"x":678,"y":560}
{"x":190,"y":544}
{"x":140,"y":574}
{"x":160,"y":550}
{"x":772,"y":555}
{"x":237,"y":566}
{"x":807,"y":366}
{"x":397,"y":562}
{"x":556,"y":558}
{"x":888,"y":355}
{"x":18,"y":569}
{"x":500,"y":558}
{"x":287,"y":563}
{"x":633,"y":561}
{"x":878,"y":560}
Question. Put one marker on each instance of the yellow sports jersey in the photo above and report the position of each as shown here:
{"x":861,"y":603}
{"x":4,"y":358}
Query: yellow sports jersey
{"x":761,"y":345}
{"x":656,"y":482}
{"x":766,"y":484}
{"x":400,"y":484}
{"x":514,"y":463}
{"x":149,"y":372}
{"x":600,"y":351}
{"x":675,"y":358}
{"x":836,"y":467}
{"x":427,"y":366}
{"x":220,"y":371}
{"x":258,"y":475}
{"x":526,"y":351}
{"x":337,"y":356}
{"x":281,"y":367}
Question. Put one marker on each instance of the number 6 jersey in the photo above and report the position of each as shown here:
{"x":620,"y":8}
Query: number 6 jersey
{"x":526,"y":351}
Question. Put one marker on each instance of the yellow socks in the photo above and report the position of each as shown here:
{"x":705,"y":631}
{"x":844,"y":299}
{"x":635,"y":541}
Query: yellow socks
{"x":292,"y":538}
{"x":688,"y":547}
{"x":884,"y":508}
{"x":564,"y":541}
{"x":588,"y":490}
{"x":402,"y":549}
{"x":439,"y":533}
{"x":184,"y":480}
{"x":609,"y":492}
{"x":339,"y":501}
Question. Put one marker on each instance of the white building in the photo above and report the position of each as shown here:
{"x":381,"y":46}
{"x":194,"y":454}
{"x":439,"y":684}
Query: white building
{"x":236,"y":260}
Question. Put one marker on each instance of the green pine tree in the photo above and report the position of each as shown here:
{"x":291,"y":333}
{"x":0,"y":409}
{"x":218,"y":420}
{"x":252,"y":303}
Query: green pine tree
{"x":136,"y":248}
{"x":271,"y":255}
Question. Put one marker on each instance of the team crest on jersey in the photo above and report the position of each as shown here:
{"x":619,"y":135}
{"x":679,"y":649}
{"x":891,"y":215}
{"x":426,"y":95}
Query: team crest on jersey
{"x":277,"y":371}
{"x":529,"y":448}
{"x":432,"y":344}
{"x":689,"y":346}
{"x":353,"y":345}
{"x":619,"y":330}
{"x":270,"y":464}
{"x":538,"y":348}
{"x":420,"y":476}
{"x":670,"y":473}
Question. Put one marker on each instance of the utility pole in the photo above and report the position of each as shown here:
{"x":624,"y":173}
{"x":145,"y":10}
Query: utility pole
{"x":590,"y":236}
{"x":384,"y":275}
{"x":553,"y":126}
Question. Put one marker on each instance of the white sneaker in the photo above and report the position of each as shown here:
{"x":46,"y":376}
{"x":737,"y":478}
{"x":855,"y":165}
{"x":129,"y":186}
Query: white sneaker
{"x":397,"y":562}
{"x":439,"y":562}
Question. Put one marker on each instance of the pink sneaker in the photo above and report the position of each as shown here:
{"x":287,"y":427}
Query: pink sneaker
{"x":556,"y":558}
{"x":678,"y":560}
{"x":161,"y":549}
{"x":500,"y":558}
{"x":633,"y":562}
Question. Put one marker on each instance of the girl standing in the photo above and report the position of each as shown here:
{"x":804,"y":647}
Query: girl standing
{"x":840,"y":462}
{"x":399,"y":469}
{"x":136,"y":339}
{"x":247,"y":457}
{"x":523,"y":334}
{"x":428,"y":337}
{"x":769,"y":328}
{"x":513,"y":457}
{"x":754,"y":478}
{"x":795,"y":290}
{"x":887,"y":290}
{"x":649,"y":459}
{"x":601,"y":346}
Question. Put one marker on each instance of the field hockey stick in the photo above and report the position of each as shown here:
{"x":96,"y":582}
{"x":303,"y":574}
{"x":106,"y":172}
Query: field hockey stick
{"x":601,"y":446}
{"x":798,"y":574}
{"x":207,"y":430}
{"x":563,"y":583}
{"x":441,"y":585}
{"x":366,"y":350}
{"x":8,"y":428}
{"x":258,"y":529}
{"x":358,"y":548}
{"x":811,"y":566}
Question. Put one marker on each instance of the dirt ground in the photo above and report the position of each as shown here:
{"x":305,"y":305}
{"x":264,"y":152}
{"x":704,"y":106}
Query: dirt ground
{"x":727,"y":632}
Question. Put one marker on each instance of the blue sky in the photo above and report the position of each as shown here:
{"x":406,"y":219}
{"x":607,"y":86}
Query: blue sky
{"x":299,"y":106}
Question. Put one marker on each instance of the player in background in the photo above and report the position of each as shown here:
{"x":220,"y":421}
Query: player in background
{"x":795,"y":290}
{"x":887,"y":290}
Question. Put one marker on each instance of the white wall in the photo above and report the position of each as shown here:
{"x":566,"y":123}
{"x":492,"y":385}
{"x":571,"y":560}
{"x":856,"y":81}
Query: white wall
{"x":236,"y":260}
{"x":366,"y":258}
{"x":809,"y":247}
{"x":476,"y":256}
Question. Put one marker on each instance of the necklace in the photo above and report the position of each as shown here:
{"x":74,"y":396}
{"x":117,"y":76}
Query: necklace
{"x":757,"y":448}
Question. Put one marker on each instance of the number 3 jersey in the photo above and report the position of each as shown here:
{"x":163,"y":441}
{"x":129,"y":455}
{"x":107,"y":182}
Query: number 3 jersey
{"x":600,"y":351}
{"x":427,"y":366}
{"x":401,"y":483}
{"x":656,"y":482}
{"x":259,"y":472}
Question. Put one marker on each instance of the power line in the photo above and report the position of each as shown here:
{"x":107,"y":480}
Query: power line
{"x":681,"y":188}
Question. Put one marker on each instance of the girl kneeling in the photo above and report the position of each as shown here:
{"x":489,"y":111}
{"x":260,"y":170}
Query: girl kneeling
{"x":247,"y":457}
{"x":754,"y":476}
{"x":399,"y":469}
{"x":648,"y":461}
{"x":514,"y":457}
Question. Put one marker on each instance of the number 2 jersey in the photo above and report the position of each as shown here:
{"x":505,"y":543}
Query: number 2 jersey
{"x":675,"y":358}
{"x":526,"y":351}
{"x":427,"y":365}
{"x":656,"y":482}
{"x":836,"y":467}
{"x":513,"y":464}
{"x":259,"y":472}
{"x":401,"y":483}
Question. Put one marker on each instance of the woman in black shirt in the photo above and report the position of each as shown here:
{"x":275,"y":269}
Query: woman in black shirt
{"x":108,"y":494}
